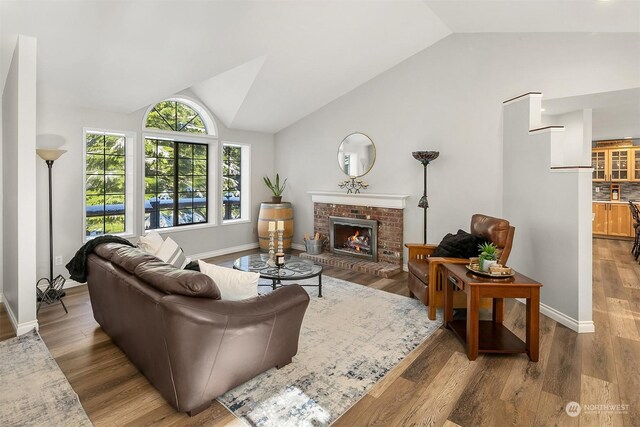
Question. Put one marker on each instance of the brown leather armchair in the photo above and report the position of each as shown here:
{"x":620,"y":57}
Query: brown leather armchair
{"x":425,"y":275}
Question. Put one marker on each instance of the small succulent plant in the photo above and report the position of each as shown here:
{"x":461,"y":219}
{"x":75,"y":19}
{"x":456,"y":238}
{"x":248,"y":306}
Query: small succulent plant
{"x":488,"y":252}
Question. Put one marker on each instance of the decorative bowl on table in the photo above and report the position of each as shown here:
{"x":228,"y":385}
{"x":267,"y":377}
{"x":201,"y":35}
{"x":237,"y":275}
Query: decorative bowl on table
{"x":495,"y":270}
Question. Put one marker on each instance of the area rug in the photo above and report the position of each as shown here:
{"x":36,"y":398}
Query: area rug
{"x":33,"y":389}
{"x":350,"y":338}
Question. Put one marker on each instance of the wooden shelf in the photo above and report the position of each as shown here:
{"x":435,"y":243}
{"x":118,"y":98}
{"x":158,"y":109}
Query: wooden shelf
{"x":492,"y":337}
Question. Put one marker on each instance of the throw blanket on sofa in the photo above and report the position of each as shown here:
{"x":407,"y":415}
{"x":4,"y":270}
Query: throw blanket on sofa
{"x":77,"y":267}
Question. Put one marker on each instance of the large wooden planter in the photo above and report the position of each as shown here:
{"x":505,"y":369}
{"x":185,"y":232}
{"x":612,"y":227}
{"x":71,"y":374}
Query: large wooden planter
{"x":275,"y":212}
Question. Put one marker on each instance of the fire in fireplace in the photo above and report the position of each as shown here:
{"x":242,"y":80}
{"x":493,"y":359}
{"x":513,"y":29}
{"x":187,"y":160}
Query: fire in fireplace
{"x":356,"y":237}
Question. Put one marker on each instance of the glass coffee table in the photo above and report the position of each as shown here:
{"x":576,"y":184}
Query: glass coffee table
{"x":295,"y":268}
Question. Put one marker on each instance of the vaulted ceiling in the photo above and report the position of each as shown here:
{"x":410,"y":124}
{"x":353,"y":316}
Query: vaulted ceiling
{"x":258,"y":65}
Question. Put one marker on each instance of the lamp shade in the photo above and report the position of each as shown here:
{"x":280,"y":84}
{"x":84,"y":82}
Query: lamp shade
{"x":50,"y":153}
{"x":425,"y":157}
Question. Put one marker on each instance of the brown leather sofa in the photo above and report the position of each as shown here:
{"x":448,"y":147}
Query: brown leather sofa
{"x":174,"y":328}
{"x":425,"y":275}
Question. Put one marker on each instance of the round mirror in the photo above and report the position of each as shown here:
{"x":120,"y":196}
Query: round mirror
{"x":356,"y":155}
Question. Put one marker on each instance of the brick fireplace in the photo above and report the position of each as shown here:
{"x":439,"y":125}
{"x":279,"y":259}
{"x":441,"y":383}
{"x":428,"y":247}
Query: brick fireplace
{"x":385,"y":211}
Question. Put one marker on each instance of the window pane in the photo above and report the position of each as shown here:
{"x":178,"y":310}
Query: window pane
{"x":150,"y":184}
{"x":160,"y":189}
{"x":200,"y":215}
{"x":185,"y":216}
{"x":163,"y":116}
{"x":105,"y":184}
{"x":175,"y":116}
{"x":150,"y":147}
{"x":114,"y":184}
{"x":150,"y":165}
{"x":95,"y":143}
{"x":165,"y":184}
{"x":95,"y":184}
{"x":165,"y":167}
{"x":114,"y":224}
{"x":200,"y":183}
{"x":165,"y":149}
{"x":95,"y":226}
{"x":199,"y":151}
{"x":95,"y":205}
{"x":185,"y":167}
{"x":231,"y":181}
{"x":185,"y":183}
{"x":114,"y":144}
{"x":200,"y":167}
{"x":196,"y":126}
{"x":186,"y":151}
{"x":166,"y":218}
{"x":114,"y":205}
{"x":186,"y":198}
{"x":95,"y":163}
{"x":114,"y":164}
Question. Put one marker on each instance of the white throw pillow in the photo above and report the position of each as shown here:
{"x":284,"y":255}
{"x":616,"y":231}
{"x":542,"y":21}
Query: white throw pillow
{"x":151,"y":242}
{"x":234,"y":285}
{"x":172,"y":254}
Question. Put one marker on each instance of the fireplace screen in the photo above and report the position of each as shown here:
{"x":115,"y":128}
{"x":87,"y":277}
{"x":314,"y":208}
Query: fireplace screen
{"x":357,"y":237}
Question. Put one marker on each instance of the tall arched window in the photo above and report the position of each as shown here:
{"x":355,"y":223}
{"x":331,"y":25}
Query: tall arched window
{"x":177,"y":170}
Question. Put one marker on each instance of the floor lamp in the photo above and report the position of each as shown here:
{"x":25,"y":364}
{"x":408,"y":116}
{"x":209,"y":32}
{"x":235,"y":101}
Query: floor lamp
{"x":425,"y":157}
{"x":48,"y":289}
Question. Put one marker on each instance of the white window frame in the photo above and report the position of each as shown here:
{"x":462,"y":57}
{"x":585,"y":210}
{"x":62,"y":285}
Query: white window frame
{"x":213,"y":164}
{"x":130,"y":194}
{"x":245,"y":186}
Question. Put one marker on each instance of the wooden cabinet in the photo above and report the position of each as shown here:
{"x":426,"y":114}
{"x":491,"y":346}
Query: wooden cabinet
{"x":612,"y":219}
{"x":615,"y":164}
{"x":634,"y":159}
{"x":619,"y":165}
{"x":600,"y":163}
{"x":619,"y":220}
{"x":600,"y":215}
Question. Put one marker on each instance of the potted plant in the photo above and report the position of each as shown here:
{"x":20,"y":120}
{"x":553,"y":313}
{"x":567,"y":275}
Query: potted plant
{"x":488,"y":255}
{"x":275,"y":188}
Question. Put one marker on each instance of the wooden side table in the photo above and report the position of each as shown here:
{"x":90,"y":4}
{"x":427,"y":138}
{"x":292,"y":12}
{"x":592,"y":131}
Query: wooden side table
{"x":490,"y":336}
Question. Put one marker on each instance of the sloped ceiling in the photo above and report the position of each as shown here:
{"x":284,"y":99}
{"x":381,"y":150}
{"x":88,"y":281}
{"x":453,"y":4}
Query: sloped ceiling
{"x":258,"y":65}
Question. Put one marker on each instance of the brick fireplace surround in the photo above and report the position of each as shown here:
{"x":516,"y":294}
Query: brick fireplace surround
{"x":388,"y":213}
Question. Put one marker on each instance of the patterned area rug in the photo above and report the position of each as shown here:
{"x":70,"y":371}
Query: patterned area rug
{"x":350,"y":339}
{"x":33,"y":389}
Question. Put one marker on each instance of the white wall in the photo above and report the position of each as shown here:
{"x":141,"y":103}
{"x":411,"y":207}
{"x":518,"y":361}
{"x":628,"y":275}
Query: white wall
{"x":69,"y":122}
{"x":552,"y":208}
{"x":574,"y":149}
{"x":19,"y":187}
{"x":447,"y":98}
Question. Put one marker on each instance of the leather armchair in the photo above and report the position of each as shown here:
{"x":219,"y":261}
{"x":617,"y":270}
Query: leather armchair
{"x":426,"y":277}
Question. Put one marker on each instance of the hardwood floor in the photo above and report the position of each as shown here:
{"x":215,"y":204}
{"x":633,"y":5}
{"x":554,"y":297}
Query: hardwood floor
{"x":434,"y":385}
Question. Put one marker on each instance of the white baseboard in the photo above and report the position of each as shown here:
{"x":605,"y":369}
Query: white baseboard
{"x":299,"y":246}
{"x":581,"y":327}
{"x":225,"y":251}
{"x":20,"y":328}
{"x":1,"y":297}
{"x":72,"y":284}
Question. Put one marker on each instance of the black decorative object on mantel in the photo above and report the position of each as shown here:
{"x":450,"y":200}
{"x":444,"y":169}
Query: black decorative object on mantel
{"x":425,"y":157}
{"x":48,"y":289}
{"x":353,"y":185}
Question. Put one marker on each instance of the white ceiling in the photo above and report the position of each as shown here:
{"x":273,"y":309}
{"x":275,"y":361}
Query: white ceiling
{"x":258,"y":65}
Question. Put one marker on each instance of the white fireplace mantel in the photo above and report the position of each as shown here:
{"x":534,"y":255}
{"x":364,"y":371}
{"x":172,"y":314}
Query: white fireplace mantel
{"x":393,"y":201}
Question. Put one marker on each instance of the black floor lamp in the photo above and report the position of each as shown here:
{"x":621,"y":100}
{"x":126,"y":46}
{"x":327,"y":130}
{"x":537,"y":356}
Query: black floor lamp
{"x":425,"y":157}
{"x":48,"y":289}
